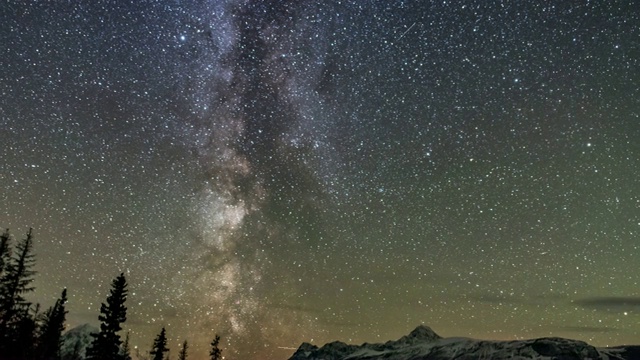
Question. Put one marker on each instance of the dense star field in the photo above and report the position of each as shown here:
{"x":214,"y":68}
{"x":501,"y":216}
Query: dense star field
{"x":288,"y":171}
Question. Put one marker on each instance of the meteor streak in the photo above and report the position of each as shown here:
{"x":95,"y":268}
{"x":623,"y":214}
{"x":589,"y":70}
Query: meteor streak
{"x":406,"y":31}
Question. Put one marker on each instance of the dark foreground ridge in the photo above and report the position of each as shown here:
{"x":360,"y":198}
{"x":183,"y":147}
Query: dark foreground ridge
{"x":424,"y":344}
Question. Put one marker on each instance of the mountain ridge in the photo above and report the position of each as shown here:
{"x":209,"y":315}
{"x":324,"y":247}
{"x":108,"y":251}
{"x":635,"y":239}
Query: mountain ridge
{"x":425,"y":344}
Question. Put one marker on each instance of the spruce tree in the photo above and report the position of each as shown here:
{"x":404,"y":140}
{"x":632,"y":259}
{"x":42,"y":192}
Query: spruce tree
{"x":216,"y":352}
{"x":159,"y":346}
{"x":51,"y":330}
{"x":23,"y":337}
{"x":125,"y":349}
{"x":15,"y":282}
{"x":16,"y":279}
{"x":183,"y":352}
{"x":106,"y":343}
{"x":5,"y":250}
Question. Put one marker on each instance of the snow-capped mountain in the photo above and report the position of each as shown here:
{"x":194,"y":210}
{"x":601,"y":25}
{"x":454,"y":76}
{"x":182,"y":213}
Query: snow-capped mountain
{"x":424,"y":344}
{"x":76,"y":340}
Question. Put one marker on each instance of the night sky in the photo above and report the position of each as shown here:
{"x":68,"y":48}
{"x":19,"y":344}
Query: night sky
{"x":288,"y":171}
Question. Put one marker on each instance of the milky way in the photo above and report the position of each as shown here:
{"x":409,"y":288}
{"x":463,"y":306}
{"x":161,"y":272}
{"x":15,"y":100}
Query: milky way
{"x":288,"y":171}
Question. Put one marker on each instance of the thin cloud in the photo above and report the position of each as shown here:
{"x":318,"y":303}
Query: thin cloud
{"x":588,"y":329}
{"x":610,"y":303}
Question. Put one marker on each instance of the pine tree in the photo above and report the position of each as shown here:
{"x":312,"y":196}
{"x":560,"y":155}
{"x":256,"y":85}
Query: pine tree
{"x":5,"y":250}
{"x":106,"y":343}
{"x":216,"y":352}
{"x":15,"y":282}
{"x":159,"y":346}
{"x":125,"y":349}
{"x":183,"y":352}
{"x":24,"y":334}
{"x":17,"y":277}
{"x":5,"y":258}
{"x":51,"y":330}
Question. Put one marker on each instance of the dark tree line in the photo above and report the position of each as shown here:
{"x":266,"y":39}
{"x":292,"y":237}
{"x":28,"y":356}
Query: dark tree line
{"x":25,"y":332}
{"x":159,"y":348}
{"x":28,"y":334}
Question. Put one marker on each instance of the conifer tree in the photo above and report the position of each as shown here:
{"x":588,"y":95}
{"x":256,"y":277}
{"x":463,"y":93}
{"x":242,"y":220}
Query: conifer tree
{"x":23,"y":334}
{"x":216,"y":352}
{"x":5,"y":250}
{"x":183,"y":352}
{"x":159,"y":346}
{"x":125,"y":350}
{"x":106,"y":343}
{"x":15,"y":282}
{"x":16,"y":279}
{"x":51,"y":330}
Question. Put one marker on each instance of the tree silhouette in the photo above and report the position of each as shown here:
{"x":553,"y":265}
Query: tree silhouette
{"x":5,"y":250}
{"x":15,"y":282}
{"x":51,"y":329}
{"x":216,"y":352}
{"x":23,"y":334}
{"x":183,"y":352}
{"x":159,"y":345}
{"x":106,"y":343}
{"x":125,"y":350}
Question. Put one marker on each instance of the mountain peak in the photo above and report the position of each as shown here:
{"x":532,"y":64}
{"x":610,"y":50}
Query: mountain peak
{"x":423,"y":343}
{"x":421,"y":334}
{"x":424,"y":332}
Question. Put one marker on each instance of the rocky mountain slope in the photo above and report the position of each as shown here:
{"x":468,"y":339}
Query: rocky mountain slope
{"x":76,"y":341}
{"x":424,"y":344}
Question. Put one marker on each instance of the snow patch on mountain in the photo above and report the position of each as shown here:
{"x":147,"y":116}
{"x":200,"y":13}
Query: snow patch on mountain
{"x":76,"y":341}
{"x":424,"y":344}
